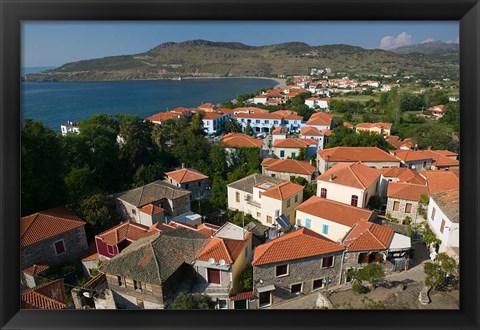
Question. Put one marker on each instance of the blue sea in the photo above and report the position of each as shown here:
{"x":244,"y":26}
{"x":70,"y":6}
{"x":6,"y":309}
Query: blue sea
{"x":55,"y":103}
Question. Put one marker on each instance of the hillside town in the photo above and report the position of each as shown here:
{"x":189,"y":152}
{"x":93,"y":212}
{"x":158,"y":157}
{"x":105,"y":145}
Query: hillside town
{"x":311,"y":206}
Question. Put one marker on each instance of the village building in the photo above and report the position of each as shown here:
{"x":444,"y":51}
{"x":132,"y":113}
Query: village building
{"x":287,"y":169}
{"x":294,"y":264}
{"x":316,"y":102}
{"x":443,"y":217}
{"x":395,"y":141}
{"x":311,"y":132}
{"x":437,"y":111}
{"x":162,"y":117}
{"x":240,"y":140}
{"x":369,"y":156}
{"x":442,"y":159}
{"x":69,"y":127}
{"x":271,"y":201}
{"x":32,"y":275}
{"x":351,"y":183}
{"x":438,"y":181}
{"x":379,"y":128}
{"x":413,"y":159}
{"x":51,"y":237}
{"x":280,"y":132}
{"x":330,"y":218}
{"x":320,"y":120}
{"x":291,"y":148}
{"x":192,"y":180}
{"x":399,"y":174}
{"x":403,"y":200}
{"x":155,"y":202}
{"x":46,"y":296}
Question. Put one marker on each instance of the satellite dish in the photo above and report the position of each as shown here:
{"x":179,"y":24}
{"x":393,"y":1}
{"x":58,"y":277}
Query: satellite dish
{"x":221,"y":262}
{"x":413,"y":167}
{"x":211,"y":260}
{"x":87,"y":294}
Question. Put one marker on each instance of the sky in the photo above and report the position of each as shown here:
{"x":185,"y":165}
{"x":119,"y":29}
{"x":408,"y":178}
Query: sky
{"x":47,"y":43}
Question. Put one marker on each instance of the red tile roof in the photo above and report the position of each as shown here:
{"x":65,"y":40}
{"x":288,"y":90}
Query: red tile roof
{"x":207,"y":106}
{"x":372,"y":125}
{"x":242,"y":296}
{"x":353,"y":175}
{"x":299,"y":244}
{"x":404,"y":174}
{"x":410,"y":155}
{"x":47,"y":296}
{"x":440,"y":158}
{"x":294,"y":143}
{"x":368,"y":236}
{"x":47,"y":224}
{"x":223,"y":248}
{"x":151,"y":209}
{"x":438,"y":181}
{"x":355,"y":154}
{"x":395,"y":141}
{"x":285,"y":113}
{"x":238,"y":140}
{"x":211,"y":115}
{"x":36,"y":269}
{"x":186,"y":175}
{"x":283,"y":190}
{"x":290,"y":166}
{"x":310,"y":130}
{"x":320,"y":118}
{"x":251,"y":110}
{"x":258,"y":116}
{"x":344,"y":214}
{"x":206,"y":229}
{"x":162,"y":116}
{"x":280,"y":130}
{"x":126,"y":230}
{"x":408,"y":191}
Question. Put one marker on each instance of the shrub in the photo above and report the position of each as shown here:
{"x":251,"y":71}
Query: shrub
{"x":357,"y":287}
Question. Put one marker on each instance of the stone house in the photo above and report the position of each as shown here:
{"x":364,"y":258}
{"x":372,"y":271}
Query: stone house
{"x":403,"y":199}
{"x":192,"y":180}
{"x":155,"y":202}
{"x":398,"y":174}
{"x":369,"y":156}
{"x":265,"y":198}
{"x":329,"y":218}
{"x":32,"y":275}
{"x":286,"y":169}
{"x":52,"y":237}
{"x":443,"y":217}
{"x":413,"y":159}
{"x":369,"y":242}
{"x":349,"y":183}
{"x":294,"y":264}
{"x":148,"y":273}
{"x":220,"y":263}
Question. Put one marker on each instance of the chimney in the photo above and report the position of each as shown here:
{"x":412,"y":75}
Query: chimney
{"x":183,"y":165}
{"x":331,"y":178}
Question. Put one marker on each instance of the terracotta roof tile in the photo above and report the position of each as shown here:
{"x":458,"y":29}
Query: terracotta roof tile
{"x":259,"y":116}
{"x":126,"y":230}
{"x":355,"y":154}
{"x":310,"y":130}
{"x":206,"y":229}
{"x":440,"y":158}
{"x":408,"y":191}
{"x":290,"y":166}
{"x":320,"y":118}
{"x":251,"y":110}
{"x":372,"y":125}
{"x":239,"y":140}
{"x":223,"y":248}
{"x":368,"y":236}
{"x":151,"y":209}
{"x":299,"y":244}
{"x":186,"y":175}
{"x":211,"y":115}
{"x":344,"y":214}
{"x":242,"y":296}
{"x":404,"y":174}
{"x":353,"y":175}
{"x":207,"y":106}
{"x":347,"y":124}
{"x":46,"y":224}
{"x":438,"y":181}
{"x":410,"y":155}
{"x":294,"y":143}
{"x":280,"y":130}
{"x":47,"y":296}
{"x":162,"y":116}
{"x":283,"y":190}
{"x":36,"y":269}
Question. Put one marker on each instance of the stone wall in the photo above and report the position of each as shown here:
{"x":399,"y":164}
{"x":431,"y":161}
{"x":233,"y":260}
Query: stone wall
{"x":303,"y":271}
{"x":180,"y":205}
{"x":152,"y":295}
{"x":400,"y":214}
{"x":287,"y":176}
{"x":75,"y":243}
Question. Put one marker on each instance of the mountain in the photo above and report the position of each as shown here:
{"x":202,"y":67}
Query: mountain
{"x":428,"y":48}
{"x":202,"y":58}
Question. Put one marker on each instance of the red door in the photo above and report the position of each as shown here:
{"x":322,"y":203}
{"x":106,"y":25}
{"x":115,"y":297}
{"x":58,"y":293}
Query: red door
{"x":213,"y":276}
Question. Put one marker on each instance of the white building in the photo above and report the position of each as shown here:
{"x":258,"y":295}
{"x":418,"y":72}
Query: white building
{"x":69,"y":127}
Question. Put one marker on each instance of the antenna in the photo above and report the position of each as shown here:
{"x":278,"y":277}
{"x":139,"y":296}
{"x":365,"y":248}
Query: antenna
{"x":211,"y":261}
{"x":221,"y":262}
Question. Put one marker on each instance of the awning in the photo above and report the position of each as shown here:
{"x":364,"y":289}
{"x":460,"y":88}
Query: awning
{"x":400,"y":243}
{"x":283,"y":222}
{"x":266,"y":288}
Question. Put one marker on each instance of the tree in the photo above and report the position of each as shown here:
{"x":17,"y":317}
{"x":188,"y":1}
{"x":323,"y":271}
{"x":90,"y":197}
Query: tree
{"x":191,"y":301}
{"x":79,"y":182}
{"x":410,"y":102}
{"x":43,"y":170}
{"x":232,"y":126}
{"x":375,"y":202}
{"x":371,"y":273}
{"x":248,"y":130}
{"x":427,"y":235}
{"x":136,"y":136}
{"x":434,"y":275}
{"x":436,"y":136}
{"x":246,"y":278}
{"x":451,"y":116}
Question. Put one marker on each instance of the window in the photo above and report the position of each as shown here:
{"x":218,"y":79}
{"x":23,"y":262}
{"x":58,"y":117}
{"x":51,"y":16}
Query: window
{"x":222,"y":304}
{"x":296,"y":288}
{"x":308,"y":223}
{"x":327,"y":262}
{"x":323,"y":193}
{"x":237,"y":197}
{"x":148,"y":288}
{"x":272,"y":175}
{"x":288,"y":202}
{"x":442,"y":226}
{"x":282,"y":153}
{"x":318,"y":284}
{"x":396,"y":206}
{"x":59,"y":247}
{"x":259,"y":215}
{"x":281,"y":270}
{"x":325,"y":229}
{"x":267,"y":121}
{"x":134,"y":211}
{"x":110,"y":249}
{"x":269,"y":219}
{"x":121,"y":281}
{"x":246,"y":251}
{"x":187,"y":186}
{"x":140,"y":303}
{"x":199,"y":183}
{"x":137,"y":286}
{"x":259,"y":194}
{"x":257,"y":121}
{"x":275,"y":122}
{"x":354,"y":200}
{"x":296,"y":198}
{"x":424,"y":164}
{"x":433,"y":214}
{"x":265,"y":299}
{"x":294,"y":154}
{"x":213,"y":276}
{"x":408,"y":208}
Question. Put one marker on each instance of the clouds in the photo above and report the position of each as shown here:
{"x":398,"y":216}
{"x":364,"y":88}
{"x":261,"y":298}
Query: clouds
{"x":389,"y":42}
{"x":456,"y":41}
{"x":427,"y":40}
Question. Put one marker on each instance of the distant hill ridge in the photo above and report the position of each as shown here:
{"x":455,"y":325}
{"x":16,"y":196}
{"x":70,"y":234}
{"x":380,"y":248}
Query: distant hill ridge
{"x":203,"y":58}
{"x":428,"y":48}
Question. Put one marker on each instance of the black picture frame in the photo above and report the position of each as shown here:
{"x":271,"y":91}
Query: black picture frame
{"x":467,"y":12}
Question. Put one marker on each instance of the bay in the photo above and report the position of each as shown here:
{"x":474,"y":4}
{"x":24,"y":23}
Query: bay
{"x":55,"y":103}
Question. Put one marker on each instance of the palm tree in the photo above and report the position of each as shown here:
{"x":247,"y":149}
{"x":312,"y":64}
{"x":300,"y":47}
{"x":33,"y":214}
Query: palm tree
{"x":232,"y":126}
